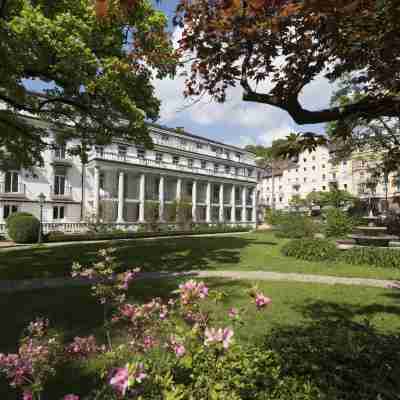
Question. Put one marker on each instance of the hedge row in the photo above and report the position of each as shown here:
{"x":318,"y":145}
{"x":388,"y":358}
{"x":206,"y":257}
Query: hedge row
{"x":325,"y":250}
{"x":61,"y":237}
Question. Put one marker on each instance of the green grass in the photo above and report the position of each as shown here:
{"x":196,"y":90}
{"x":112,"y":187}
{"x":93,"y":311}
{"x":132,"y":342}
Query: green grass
{"x":254,"y":251}
{"x":299,"y":314}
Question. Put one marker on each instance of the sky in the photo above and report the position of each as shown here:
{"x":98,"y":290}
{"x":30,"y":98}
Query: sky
{"x":233,"y":122}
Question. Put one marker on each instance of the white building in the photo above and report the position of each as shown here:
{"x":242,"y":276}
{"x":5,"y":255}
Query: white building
{"x":317,"y":171}
{"x":219,"y":181}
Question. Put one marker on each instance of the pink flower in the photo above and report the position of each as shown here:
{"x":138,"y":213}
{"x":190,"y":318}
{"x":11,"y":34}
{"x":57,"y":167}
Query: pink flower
{"x":177,"y":347}
{"x":119,"y":381}
{"x":128,"y":277}
{"x":218,"y":336}
{"x":233,"y":313}
{"x":28,"y":396}
{"x":191,"y":291}
{"x":83,"y":346}
{"x":71,"y":397}
{"x":262,"y":301}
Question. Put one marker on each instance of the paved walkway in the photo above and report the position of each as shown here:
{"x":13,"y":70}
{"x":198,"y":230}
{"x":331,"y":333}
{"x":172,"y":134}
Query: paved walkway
{"x":13,"y":247}
{"x":34,"y":284}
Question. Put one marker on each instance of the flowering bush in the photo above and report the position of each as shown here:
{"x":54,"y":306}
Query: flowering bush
{"x":172,"y":349}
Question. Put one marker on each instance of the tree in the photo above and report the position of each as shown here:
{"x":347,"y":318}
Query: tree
{"x":290,"y":43}
{"x":297,"y":202}
{"x":97,"y":58}
{"x":337,"y":198}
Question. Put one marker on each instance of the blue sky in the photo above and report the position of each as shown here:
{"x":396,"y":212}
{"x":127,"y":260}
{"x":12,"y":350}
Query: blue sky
{"x":234,"y":122}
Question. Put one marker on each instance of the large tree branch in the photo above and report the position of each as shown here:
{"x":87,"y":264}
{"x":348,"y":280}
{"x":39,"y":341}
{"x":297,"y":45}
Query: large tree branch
{"x":368,"y":108}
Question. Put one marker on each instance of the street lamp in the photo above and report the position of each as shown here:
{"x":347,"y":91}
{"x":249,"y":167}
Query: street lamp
{"x":42,"y":199}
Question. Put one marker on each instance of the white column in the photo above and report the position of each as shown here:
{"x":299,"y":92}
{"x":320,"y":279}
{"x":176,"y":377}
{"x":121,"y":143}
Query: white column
{"x":233,"y":199}
{"x":221,"y":203}
{"x":179,"y":189}
{"x":194,"y":201}
{"x":120,"y":214}
{"x":96,"y":202}
{"x":208,"y":202}
{"x":161,"y":197}
{"x":142,"y":197}
{"x":244,"y":196}
{"x":254,"y":199}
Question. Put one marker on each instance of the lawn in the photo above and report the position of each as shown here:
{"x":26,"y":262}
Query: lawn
{"x":316,"y":329}
{"x":248,"y":251}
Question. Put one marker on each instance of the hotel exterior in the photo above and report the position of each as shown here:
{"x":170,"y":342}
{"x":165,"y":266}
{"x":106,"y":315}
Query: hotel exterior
{"x":317,"y":171}
{"x":120,"y":179}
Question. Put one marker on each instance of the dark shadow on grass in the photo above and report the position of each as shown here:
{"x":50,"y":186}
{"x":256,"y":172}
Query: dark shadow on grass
{"x":181,"y":254}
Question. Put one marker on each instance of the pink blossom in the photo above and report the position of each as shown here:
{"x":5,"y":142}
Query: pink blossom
{"x":28,"y":396}
{"x":148,"y":342}
{"x":233,"y":313}
{"x":119,"y":381}
{"x":262,"y":301}
{"x":83,"y":346}
{"x":128,"y":277}
{"x":191,"y":291}
{"x":71,"y":397}
{"x":218,"y":336}
{"x":176,"y":346}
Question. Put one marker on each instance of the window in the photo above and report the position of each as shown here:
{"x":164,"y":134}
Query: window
{"x":280,"y":187}
{"x":297,"y":170}
{"x":305,"y":169}
{"x":238,"y":156}
{"x":323,"y":165}
{"x":216,"y":167}
{"x":280,"y":199}
{"x":164,"y":137}
{"x":199,"y":145}
{"x":305,"y":159}
{"x":58,"y":212}
{"x":267,"y":199}
{"x":313,"y":158}
{"x":99,"y":151}
{"x":183,"y":142}
{"x":249,"y":171}
{"x":236,"y":171}
{"x":190,"y":163}
{"x":159,"y":157}
{"x":175,"y":160}
{"x":227,"y":169}
{"x":313,"y":167}
{"x":267,"y":188}
{"x":59,"y":184}
{"x":323,"y":187}
{"x":344,"y":163}
{"x":345,"y":186}
{"x":9,"y":209}
{"x":305,"y":179}
{"x":203,"y":164}
{"x":323,"y":177}
{"x":102,"y":180}
{"x":59,"y":152}
{"x":122,"y":150}
{"x":11,"y":182}
{"x":227,"y":154}
{"x":334,"y":175}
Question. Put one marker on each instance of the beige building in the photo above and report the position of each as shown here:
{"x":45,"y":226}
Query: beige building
{"x":317,"y":171}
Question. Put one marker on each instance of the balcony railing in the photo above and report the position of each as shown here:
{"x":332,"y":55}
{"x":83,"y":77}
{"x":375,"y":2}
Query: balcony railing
{"x":65,"y":194}
{"x":12,"y":190}
{"x":171,"y":166}
{"x":60,"y":158}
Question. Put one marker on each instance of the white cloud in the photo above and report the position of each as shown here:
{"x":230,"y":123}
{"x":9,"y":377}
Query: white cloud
{"x":242,"y":122}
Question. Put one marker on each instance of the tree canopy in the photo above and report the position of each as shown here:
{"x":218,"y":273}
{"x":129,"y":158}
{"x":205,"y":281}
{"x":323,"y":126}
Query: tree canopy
{"x":274,"y":48}
{"x":97,"y":59}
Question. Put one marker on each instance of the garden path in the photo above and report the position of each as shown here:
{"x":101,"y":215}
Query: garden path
{"x":11,"y":286}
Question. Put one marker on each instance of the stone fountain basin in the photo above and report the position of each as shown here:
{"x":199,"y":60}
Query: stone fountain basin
{"x":365,"y":240}
{"x":371,"y":230}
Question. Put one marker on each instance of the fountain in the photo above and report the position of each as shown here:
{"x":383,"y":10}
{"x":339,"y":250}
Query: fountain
{"x":371,"y":234}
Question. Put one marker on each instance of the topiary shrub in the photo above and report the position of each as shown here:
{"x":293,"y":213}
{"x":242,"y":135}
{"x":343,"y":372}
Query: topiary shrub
{"x":311,"y":250}
{"x":377,"y":257}
{"x":17,"y":214}
{"x":296,"y":226}
{"x":23,"y":228}
{"x":338,"y":223}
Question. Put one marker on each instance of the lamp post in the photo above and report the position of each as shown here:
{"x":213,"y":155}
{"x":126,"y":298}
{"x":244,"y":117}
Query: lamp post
{"x":42,"y":199}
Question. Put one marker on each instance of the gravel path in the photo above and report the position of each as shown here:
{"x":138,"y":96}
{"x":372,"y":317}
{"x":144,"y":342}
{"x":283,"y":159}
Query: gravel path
{"x":35,"y":284}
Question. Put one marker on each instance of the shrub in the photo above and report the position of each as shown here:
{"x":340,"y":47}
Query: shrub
{"x":23,"y":228}
{"x":392,"y":221}
{"x":274,"y":217}
{"x":296,"y":226}
{"x":17,"y":214}
{"x":311,"y":250}
{"x":377,"y":257}
{"x":338,"y":223}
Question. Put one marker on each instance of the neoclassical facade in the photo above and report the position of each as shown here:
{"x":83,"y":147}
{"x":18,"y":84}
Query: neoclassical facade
{"x":120,"y":180}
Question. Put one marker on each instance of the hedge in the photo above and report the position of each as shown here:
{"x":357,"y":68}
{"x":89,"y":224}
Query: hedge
{"x":61,"y":237}
{"x":311,"y":250}
{"x":374,"y":256}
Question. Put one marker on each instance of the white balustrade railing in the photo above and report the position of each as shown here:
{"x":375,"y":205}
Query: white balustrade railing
{"x":113,"y":156}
